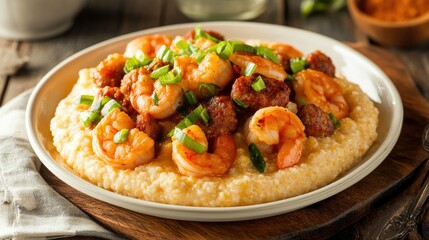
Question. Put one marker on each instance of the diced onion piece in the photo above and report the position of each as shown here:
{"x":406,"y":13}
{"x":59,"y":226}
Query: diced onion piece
{"x":84,"y":99}
{"x":109,"y":106}
{"x":172,"y":77}
{"x":259,"y":84}
{"x":298,"y":64}
{"x":189,"y":142}
{"x":160,"y":71}
{"x":267,"y":53}
{"x":207,"y":90}
{"x":190,"y":98}
{"x":89,"y":117}
{"x":121,"y":136}
{"x":240,"y":102}
{"x":250,"y":68}
{"x":256,"y":158}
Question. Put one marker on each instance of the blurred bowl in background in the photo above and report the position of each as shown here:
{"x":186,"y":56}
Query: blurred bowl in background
{"x":36,"y":19}
{"x":406,"y":33}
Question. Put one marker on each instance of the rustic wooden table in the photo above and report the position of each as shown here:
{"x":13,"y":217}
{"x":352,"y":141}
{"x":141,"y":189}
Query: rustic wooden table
{"x":101,"y":20}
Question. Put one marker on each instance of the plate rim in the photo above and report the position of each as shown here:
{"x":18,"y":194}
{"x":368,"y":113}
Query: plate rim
{"x":217,"y":214}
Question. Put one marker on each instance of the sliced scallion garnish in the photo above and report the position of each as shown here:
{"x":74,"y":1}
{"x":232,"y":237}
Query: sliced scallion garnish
{"x":137,"y":61}
{"x":267,"y":53}
{"x":155,"y":99}
{"x":99,"y":103}
{"x":172,"y":77}
{"x":334,"y":120}
{"x":84,"y":99}
{"x":256,"y":158}
{"x":165,"y":54}
{"x":189,"y":142}
{"x":250,"y":68}
{"x":259,"y":84}
{"x":298,"y":64}
{"x":241,"y":47}
{"x":190,"y":98}
{"x":160,"y":71}
{"x":204,"y":115}
{"x":290,"y":78}
{"x":121,"y":136}
{"x":190,"y":119}
{"x":207,"y":90}
{"x":302,"y":101}
{"x":109,"y":106}
{"x":240,"y":102}
{"x":89,"y":117}
{"x":200,"y":33}
{"x":224,"y":49}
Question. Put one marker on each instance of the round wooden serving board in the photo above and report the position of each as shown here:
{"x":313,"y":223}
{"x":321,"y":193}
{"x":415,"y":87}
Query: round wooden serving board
{"x":317,"y":221}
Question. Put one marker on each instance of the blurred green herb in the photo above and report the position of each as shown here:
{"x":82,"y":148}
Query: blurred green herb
{"x":309,"y":7}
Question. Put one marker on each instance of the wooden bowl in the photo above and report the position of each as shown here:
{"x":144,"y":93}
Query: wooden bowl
{"x":394,"y":34}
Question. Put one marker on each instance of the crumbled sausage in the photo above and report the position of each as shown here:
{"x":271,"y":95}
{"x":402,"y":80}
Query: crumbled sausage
{"x":223,"y":118}
{"x":320,"y":62}
{"x":149,"y":125}
{"x":276,"y":93}
{"x":115,"y":93}
{"x":317,"y":122}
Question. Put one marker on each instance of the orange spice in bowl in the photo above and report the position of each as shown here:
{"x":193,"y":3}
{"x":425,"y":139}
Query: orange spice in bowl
{"x":395,"y":23}
{"x":395,"y":10}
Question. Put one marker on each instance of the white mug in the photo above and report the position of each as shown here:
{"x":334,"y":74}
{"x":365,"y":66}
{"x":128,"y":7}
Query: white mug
{"x":36,"y":19}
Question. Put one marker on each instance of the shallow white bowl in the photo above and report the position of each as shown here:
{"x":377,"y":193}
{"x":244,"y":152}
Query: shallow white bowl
{"x":357,"y":68}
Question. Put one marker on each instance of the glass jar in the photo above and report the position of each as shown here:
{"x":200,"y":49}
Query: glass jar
{"x":222,"y":9}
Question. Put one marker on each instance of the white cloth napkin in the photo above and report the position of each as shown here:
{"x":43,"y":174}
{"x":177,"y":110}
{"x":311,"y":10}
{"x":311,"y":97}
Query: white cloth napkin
{"x":29,"y":207}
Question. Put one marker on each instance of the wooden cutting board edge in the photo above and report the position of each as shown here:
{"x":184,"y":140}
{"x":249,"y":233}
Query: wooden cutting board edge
{"x":321,"y":219}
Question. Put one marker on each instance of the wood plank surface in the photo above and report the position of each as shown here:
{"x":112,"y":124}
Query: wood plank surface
{"x":320,"y":220}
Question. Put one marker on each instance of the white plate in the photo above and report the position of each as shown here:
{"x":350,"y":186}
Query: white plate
{"x":357,"y":68}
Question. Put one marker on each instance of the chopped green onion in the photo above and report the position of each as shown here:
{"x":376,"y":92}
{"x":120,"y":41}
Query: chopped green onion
{"x":250,"y":68}
{"x":267,"y":53}
{"x":172,"y":77}
{"x":199,"y":55}
{"x":224,"y":49}
{"x":204,"y":115}
{"x":165,"y":54}
{"x":241,"y":103}
{"x":256,"y":158}
{"x":334,"y":120}
{"x":160,"y":71}
{"x":84,"y":99}
{"x":189,"y":142}
{"x":155,"y":98}
{"x":121,"y":136}
{"x":298,"y":64}
{"x":302,"y":101}
{"x":183,"y":111}
{"x":241,"y":47}
{"x":99,"y":103}
{"x":190,"y":98}
{"x":109,"y":106}
{"x":290,"y":78}
{"x":190,"y":119}
{"x":137,"y":61}
{"x":89,"y":117}
{"x":207,"y":90}
{"x":200,"y":33}
{"x":182,"y":45}
{"x":258,"y":84}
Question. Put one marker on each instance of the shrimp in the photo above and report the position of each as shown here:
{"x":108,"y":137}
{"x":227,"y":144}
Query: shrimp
{"x":140,"y":87}
{"x":149,"y":45}
{"x":284,"y":50}
{"x":137,"y":149}
{"x":274,"y":128}
{"x":207,"y":164}
{"x":212,"y":70}
{"x":318,"y":88}
{"x":264,"y":66}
